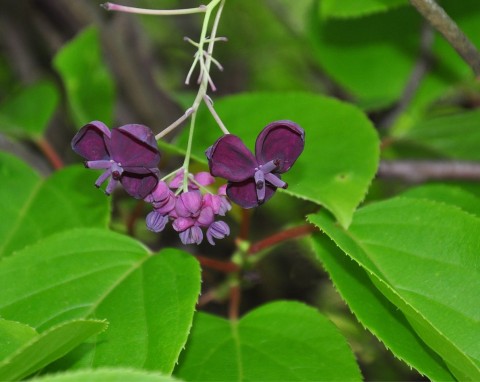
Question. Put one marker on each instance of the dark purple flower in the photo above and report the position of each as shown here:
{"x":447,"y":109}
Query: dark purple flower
{"x":252,"y":180}
{"x":128,"y":155}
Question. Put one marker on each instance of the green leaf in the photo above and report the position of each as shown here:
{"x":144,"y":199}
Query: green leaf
{"x":373,"y":57}
{"x":377,"y":313}
{"x":370,"y":57}
{"x":33,"y":208}
{"x":47,"y":347}
{"x":89,"y":85}
{"x":27,"y":113}
{"x":281,"y":341}
{"x":452,"y":195}
{"x":13,"y":335}
{"x":106,"y":375}
{"x":455,"y":136}
{"x":147,"y":299}
{"x":341,"y":146}
{"x":356,"y":8}
{"x":422,"y":256}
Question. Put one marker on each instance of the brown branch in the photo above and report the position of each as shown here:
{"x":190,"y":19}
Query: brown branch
{"x":291,"y":233}
{"x":50,"y":153}
{"x":417,"y":171}
{"x":234,"y":306}
{"x":222,"y":266}
{"x":442,"y":22}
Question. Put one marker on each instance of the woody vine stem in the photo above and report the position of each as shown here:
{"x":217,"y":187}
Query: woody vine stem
{"x":203,"y":59}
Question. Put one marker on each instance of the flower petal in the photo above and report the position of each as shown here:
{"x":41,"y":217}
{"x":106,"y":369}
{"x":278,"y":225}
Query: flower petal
{"x":156,"y":222}
{"x":188,"y":203}
{"x":92,"y":141}
{"x":139,"y":185}
{"x":230,"y":159}
{"x":217,"y":230}
{"x":134,"y":146}
{"x":280,"y":140}
{"x":245,"y":193}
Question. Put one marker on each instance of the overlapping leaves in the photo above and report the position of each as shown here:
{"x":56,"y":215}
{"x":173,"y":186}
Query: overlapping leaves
{"x":427,"y":269}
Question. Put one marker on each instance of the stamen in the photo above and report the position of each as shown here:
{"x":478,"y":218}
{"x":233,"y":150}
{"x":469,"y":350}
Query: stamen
{"x":102,"y":178}
{"x":275,"y":181}
{"x":98,"y":164}
{"x":111,"y":186}
{"x":260,"y":185}
{"x":269,"y":166}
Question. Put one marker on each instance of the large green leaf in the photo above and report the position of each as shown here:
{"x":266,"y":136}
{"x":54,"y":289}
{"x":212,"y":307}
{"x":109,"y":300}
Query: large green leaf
{"x":148,"y":300}
{"x":356,"y":8}
{"x":106,"y":375}
{"x":88,"y":83}
{"x":377,"y":313}
{"x":455,"y":136}
{"x":13,"y":335}
{"x":341,"y":145}
{"x":370,"y":57}
{"x":47,"y":347}
{"x":422,"y":256}
{"x":281,"y":341}
{"x":373,"y":57}
{"x":27,"y":113}
{"x":33,"y":208}
{"x":443,"y":193}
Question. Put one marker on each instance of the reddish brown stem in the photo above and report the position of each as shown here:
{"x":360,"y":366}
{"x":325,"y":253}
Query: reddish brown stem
{"x":206,"y":298}
{"x":222,"y":266}
{"x":244,"y":224}
{"x":234,"y":306}
{"x":47,"y":149}
{"x":132,"y":218}
{"x":291,"y":233}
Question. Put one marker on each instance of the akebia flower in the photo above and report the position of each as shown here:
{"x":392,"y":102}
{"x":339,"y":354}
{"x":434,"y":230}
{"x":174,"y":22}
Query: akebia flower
{"x":252,"y":180}
{"x":127,"y":154}
{"x":190,"y":212}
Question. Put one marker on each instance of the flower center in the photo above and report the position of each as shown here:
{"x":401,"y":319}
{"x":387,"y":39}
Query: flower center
{"x":264,"y":173}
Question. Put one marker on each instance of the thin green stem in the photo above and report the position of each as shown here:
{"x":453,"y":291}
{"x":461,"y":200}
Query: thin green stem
{"x":154,"y":12}
{"x":188,"y":153}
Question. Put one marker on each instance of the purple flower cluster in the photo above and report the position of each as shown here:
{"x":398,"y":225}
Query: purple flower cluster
{"x":128,"y":155}
{"x":190,"y":212}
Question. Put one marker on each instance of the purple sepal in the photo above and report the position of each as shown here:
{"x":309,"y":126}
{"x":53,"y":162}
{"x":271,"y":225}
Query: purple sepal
{"x":245,"y":193}
{"x":192,"y":235}
{"x":156,"y":222}
{"x":229,"y":158}
{"x":217,"y":230}
{"x":91,"y":142}
{"x":134,"y":146}
{"x":280,"y":140}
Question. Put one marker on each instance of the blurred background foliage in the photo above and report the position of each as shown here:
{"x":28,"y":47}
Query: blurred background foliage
{"x":64,"y":63}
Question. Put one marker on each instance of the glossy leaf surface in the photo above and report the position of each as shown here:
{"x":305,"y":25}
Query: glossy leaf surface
{"x":106,"y":375}
{"x":13,"y":335}
{"x":427,"y":268}
{"x":33,"y":207}
{"x":374,"y":311}
{"x":356,"y":8}
{"x":47,"y":347}
{"x":281,"y":341}
{"x":88,"y":83}
{"x":27,"y":113}
{"x":147,"y":299}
